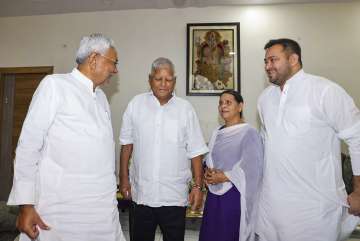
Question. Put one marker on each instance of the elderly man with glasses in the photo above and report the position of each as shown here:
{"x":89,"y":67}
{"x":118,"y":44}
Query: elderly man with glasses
{"x":64,"y":179}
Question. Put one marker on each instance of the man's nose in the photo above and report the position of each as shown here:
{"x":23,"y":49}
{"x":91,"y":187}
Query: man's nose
{"x":267,"y":65}
{"x":163,"y":82}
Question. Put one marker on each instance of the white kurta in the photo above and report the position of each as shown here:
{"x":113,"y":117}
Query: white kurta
{"x":65,"y":163}
{"x":165,"y":138}
{"x":303,"y":196}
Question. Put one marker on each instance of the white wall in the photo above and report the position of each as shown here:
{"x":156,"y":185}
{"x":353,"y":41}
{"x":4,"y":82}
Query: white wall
{"x":328,"y":33}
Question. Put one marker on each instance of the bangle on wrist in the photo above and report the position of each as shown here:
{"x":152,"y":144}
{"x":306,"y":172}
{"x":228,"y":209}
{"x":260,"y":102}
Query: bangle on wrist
{"x":197,"y":186}
{"x":200,"y":187}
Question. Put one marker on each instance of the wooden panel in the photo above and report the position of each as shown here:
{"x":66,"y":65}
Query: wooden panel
{"x":6,"y":165}
{"x":34,"y":77}
{"x":18,"y":86}
{"x":25,"y":86}
{"x":28,"y":70}
{"x":2,"y":80}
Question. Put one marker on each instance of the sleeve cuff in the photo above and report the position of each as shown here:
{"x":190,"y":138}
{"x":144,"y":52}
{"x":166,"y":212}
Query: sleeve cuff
{"x":349,"y":132}
{"x":198,"y":152}
{"x":22,"y":193}
{"x":125,"y":141}
{"x":355,"y":164}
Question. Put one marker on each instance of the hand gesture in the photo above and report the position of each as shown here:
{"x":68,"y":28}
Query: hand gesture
{"x":125,"y":189}
{"x":196,"y":199}
{"x":214,"y":176}
{"x":29,"y":221}
{"x":354,"y":202}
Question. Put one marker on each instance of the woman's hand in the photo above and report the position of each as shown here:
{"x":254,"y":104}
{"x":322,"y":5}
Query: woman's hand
{"x":214,"y":176}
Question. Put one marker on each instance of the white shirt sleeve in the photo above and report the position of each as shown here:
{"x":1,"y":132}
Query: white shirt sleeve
{"x":39,"y":118}
{"x":195,"y":141}
{"x":344,"y":117}
{"x":126,"y":132}
{"x":262,"y":126}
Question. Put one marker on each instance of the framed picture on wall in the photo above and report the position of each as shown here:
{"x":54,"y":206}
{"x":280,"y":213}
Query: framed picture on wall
{"x":213,"y":58}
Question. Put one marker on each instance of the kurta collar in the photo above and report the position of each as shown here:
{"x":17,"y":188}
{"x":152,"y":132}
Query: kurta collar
{"x":83,"y":79}
{"x":169,"y":102}
{"x":294,"y":79}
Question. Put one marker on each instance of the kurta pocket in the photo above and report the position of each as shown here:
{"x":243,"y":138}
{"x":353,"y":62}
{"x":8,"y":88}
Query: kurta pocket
{"x":171,"y":131}
{"x":297,"y":120}
{"x":50,"y":177}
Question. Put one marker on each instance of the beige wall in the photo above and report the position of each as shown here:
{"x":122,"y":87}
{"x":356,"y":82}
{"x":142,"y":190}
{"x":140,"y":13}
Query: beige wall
{"x":328,"y":33}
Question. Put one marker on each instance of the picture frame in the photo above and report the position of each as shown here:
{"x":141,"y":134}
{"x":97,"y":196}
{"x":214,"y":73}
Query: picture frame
{"x":213,"y":58}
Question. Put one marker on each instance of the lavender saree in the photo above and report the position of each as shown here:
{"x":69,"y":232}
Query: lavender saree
{"x":230,"y":207}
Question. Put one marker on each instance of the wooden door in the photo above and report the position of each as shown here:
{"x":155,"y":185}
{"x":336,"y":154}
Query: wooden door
{"x":18,"y":86}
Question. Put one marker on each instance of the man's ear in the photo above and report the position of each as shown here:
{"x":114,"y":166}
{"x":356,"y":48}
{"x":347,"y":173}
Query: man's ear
{"x":294,"y":59}
{"x":241,"y":106}
{"x":92,"y":60}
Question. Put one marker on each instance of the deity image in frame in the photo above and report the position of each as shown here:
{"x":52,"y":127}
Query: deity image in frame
{"x":213,"y":58}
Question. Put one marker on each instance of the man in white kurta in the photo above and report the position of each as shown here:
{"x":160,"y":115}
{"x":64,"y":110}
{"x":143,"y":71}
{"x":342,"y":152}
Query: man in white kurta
{"x":163,"y":134}
{"x":304,"y":117}
{"x":64,"y":176}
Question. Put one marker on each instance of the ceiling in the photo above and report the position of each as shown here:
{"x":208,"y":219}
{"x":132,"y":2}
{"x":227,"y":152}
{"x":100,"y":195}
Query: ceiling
{"x":39,"y":7}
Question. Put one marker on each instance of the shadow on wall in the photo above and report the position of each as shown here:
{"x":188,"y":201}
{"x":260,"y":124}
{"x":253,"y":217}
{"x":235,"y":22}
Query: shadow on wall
{"x":111,"y":87}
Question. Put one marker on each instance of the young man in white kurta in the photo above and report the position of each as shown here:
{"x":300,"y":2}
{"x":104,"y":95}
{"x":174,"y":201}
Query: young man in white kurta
{"x":304,"y":117}
{"x":64,"y":165}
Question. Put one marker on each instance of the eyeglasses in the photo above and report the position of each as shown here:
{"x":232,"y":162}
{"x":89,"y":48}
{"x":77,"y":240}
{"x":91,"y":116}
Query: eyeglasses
{"x":115,"y":62}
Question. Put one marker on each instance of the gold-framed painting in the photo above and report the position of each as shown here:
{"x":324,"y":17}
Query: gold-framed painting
{"x":213,"y":58}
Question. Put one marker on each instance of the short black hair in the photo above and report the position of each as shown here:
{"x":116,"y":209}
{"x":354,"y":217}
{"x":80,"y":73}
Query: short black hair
{"x":239,"y":99}
{"x":289,"y":45}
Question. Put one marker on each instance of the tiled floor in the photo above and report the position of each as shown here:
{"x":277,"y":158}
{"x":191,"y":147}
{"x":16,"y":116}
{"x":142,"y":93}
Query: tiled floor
{"x":355,"y":235}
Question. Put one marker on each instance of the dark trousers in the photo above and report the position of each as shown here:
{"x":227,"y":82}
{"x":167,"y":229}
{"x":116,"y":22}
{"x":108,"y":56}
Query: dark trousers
{"x":144,"y":220}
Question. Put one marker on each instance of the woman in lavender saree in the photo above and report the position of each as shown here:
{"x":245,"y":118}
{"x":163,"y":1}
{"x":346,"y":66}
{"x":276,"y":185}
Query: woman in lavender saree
{"x":233,"y":175}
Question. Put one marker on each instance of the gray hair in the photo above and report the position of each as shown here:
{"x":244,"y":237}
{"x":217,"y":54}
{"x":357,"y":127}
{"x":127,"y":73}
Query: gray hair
{"x":160,"y":63}
{"x":95,"y":42}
